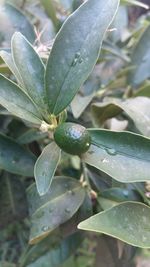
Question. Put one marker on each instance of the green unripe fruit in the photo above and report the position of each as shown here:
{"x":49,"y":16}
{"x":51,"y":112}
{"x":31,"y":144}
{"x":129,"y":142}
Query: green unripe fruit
{"x":72,"y":138}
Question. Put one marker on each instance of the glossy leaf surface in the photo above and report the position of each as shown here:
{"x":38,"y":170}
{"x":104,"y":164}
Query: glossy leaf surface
{"x":140,"y":59}
{"x":31,"y":70}
{"x":14,"y":158}
{"x":80,"y":40}
{"x":113,"y":196}
{"x":138,"y":109}
{"x":30,"y":136}
{"x":59,"y":253}
{"x":51,"y":11}
{"x":12,"y":20}
{"x":62,"y":232}
{"x":61,"y":202}
{"x":17,"y":102}
{"x":9,"y":62}
{"x":128,"y":222}
{"x":122,"y":155}
{"x":45,"y":167}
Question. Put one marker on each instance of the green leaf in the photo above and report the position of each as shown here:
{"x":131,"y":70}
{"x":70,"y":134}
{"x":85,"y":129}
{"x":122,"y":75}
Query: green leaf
{"x":17,"y":102}
{"x":12,"y":193}
{"x":31,"y":70}
{"x":65,"y":230}
{"x":80,"y":39}
{"x":143,"y":91}
{"x":45,"y":167}
{"x":31,"y":135}
{"x":59,"y":253}
{"x":122,"y":155}
{"x":51,"y":11}
{"x":9,"y":62}
{"x":128,"y":222}
{"x":113,"y":196}
{"x":12,"y":20}
{"x":61,"y":202}
{"x":4,"y":69}
{"x":85,"y":95}
{"x":138,"y":109}
{"x":115,"y":50}
{"x":140,"y":58}
{"x":120,"y":23}
{"x":104,"y":111}
{"x":76,"y":4}
{"x":7,"y":264}
{"x":120,"y":194}
{"x":80,"y":103}
{"x":14,"y":158}
{"x":84,"y":212}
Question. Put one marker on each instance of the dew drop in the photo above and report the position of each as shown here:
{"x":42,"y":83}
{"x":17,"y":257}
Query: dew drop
{"x":45,"y":228}
{"x":111,"y":151}
{"x":77,"y":59}
{"x":105,"y":161}
{"x":67,"y":210}
{"x":125,"y":193}
{"x":15,"y":160}
{"x":74,"y":62}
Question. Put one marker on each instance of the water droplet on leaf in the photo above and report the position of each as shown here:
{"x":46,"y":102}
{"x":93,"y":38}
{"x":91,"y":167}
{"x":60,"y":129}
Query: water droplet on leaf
{"x":105,"y":161}
{"x":125,"y":193}
{"x":74,"y":62}
{"x":77,"y":59}
{"x":45,"y":228}
{"x":67,"y":210}
{"x":77,"y":55}
{"x":111,"y":151}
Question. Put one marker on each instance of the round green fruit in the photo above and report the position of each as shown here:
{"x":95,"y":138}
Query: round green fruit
{"x":72,"y":138}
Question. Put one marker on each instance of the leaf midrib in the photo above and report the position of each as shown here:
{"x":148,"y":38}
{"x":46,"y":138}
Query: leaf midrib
{"x":104,"y":147}
{"x":29,"y":112}
{"x":56,"y":199}
{"x":78,"y":51}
